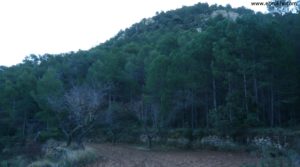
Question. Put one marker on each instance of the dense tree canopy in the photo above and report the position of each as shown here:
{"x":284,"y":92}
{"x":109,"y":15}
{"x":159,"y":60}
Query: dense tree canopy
{"x":195,"y":67}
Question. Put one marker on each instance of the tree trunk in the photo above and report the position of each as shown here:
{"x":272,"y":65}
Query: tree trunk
{"x":214,"y":93}
{"x":79,"y":142}
{"x":255,"y":88}
{"x":24,"y":128}
{"x":256,"y":96}
{"x":207,"y":110}
{"x":149,"y":137}
{"x":229,"y":94}
{"x":245,"y":91}
{"x":264,"y":106}
{"x":69,"y":140}
{"x":279,"y":111}
{"x":272,"y":106}
{"x":109,"y":100}
{"x":185,"y":109}
{"x":192,"y":111}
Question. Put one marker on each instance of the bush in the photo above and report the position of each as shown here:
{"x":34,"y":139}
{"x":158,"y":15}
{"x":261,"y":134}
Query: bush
{"x":42,"y":163}
{"x":274,"y":155}
{"x":198,"y":134}
{"x":50,"y":134}
{"x":180,"y":133}
{"x":216,"y":142}
{"x":19,"y":161}
{"x":67,"y":158}
{"x":55,"y":154}
{"x":51,"y":149}
{"x":78,"y":157}
{"x":267,"y":143}
{"x":181,"y":138}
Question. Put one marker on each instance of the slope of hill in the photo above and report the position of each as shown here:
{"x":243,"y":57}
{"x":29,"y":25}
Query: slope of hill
{"x":192,"y":72}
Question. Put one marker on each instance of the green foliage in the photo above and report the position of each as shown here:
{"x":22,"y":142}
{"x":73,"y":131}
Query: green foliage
{"x":49,"y":134}
{"x":178,"y":133}
{"x":182,"y":69}
{"x":19,"y":161}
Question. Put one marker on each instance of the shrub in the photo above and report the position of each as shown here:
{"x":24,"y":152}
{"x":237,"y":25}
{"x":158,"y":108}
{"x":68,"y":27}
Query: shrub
{"x":180,"y":133}
{"x":267,"y":146}
{"x":200,"y":133}
{"x":42,"y":163}
{"x":50,"y":134}
{"x":19,"y":161}
{"x":275,"y":155}
{"x":216,"y":142}
{"x":66,"y":157}
{"x":51,"y":149}
{"x":78,"y":157}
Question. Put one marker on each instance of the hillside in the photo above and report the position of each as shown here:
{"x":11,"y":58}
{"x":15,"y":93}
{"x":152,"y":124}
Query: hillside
{"x":192,"y":72}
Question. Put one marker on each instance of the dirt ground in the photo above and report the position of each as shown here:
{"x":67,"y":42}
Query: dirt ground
{"x":130,"y":156}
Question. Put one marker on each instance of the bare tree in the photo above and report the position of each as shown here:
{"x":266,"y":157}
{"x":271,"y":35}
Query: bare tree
{"x":77,"y":111}
{"x":148,"y":115}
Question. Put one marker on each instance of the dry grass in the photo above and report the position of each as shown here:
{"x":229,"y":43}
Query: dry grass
{"x":130,"y":156}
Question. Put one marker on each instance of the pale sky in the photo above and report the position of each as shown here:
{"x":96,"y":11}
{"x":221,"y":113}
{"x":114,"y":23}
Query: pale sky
{"x":58,"y":26}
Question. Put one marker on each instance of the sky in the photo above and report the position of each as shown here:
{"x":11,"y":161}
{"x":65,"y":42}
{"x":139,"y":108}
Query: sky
{"x":60,"y":26}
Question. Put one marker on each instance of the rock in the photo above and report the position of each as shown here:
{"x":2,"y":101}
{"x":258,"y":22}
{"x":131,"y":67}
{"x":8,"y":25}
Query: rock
{"x":226,"y":14}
